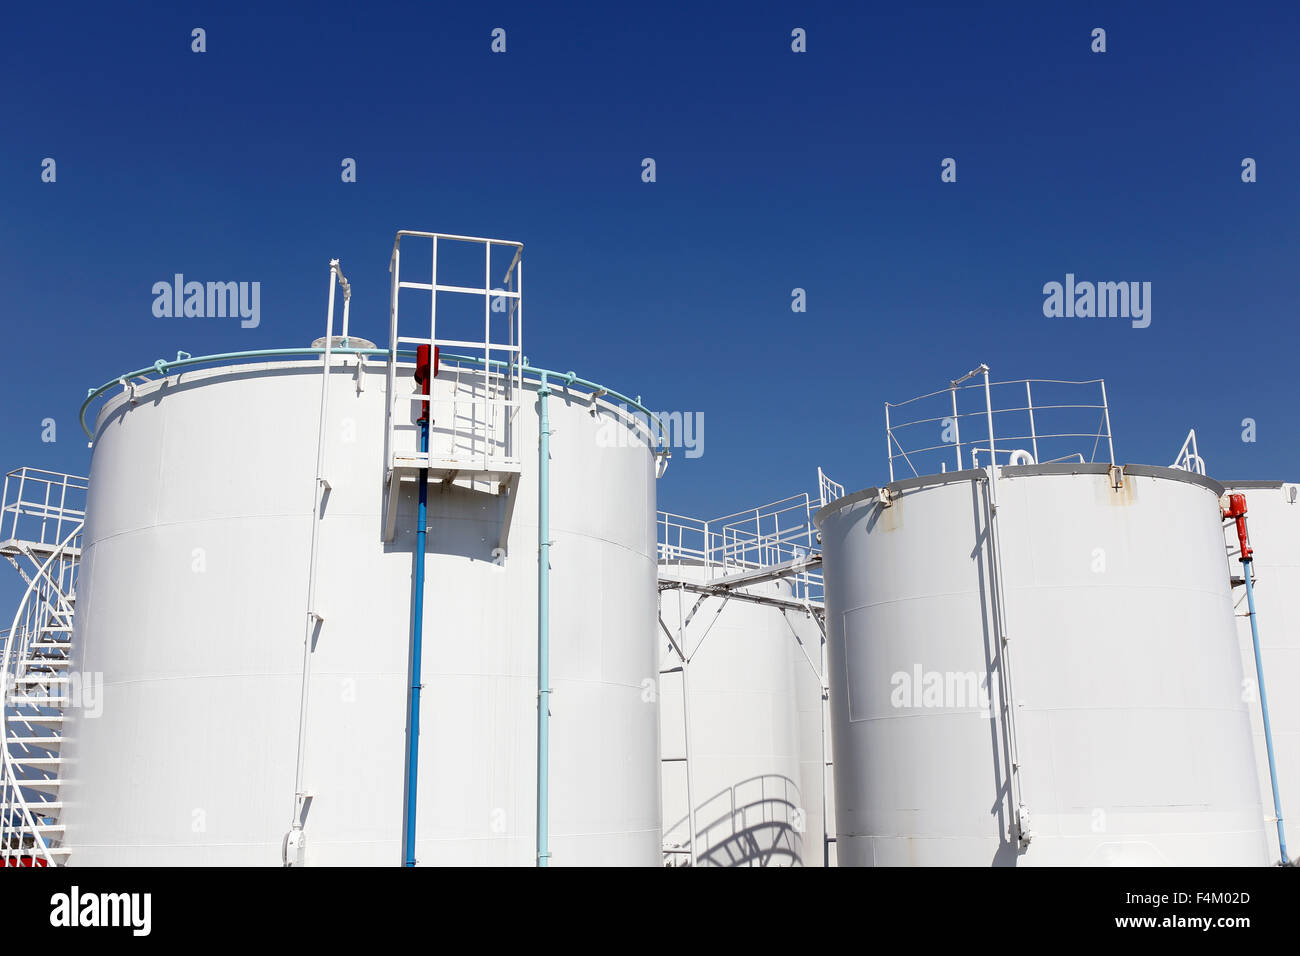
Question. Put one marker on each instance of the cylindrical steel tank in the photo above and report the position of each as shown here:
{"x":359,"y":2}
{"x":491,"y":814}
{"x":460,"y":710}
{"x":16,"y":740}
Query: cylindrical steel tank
{"x":757,"y":800}
{"x":1273,"y":520}
{"x":1132,"y":737}
{"x":192,"y":607}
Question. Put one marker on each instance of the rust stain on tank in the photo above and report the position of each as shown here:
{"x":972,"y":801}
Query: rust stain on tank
{"x":1123,"y":496}
{"x":888,"y":519}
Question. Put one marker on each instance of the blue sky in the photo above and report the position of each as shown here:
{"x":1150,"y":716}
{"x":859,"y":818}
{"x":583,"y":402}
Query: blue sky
{"x":775,"y":170}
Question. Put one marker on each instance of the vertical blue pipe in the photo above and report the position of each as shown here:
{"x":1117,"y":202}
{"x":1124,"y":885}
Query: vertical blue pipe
{"x":1263,"y":704}
{"x":543,"y":622}
{"x":417,"y":637}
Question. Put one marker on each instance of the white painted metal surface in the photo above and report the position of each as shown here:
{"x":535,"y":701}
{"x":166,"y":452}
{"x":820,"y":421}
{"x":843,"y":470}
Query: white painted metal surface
{"x":1133,"y":737}
{"x":191,"y":602}
{"x":1273,"y":521}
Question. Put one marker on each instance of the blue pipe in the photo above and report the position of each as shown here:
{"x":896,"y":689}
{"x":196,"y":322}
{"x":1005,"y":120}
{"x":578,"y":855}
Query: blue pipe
{"x":417,"y":639}
{"x":1263,"y":705}
{"x":543,"y":622}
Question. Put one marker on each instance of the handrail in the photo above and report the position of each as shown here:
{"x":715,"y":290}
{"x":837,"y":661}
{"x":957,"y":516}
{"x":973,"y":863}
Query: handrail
{"x":184,"y":360}
{"x":1189,"y":458}
{"x":979,"y":385}
{"x":42,"y":503}
{"x":828,"y":489}
{"x":746,"y":540}
{"x":1067,"y":421}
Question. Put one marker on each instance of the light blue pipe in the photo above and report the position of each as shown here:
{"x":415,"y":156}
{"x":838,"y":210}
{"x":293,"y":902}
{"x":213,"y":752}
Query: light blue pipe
{"x":185,"y":360}
{"x":1263,"y":706}
{"x":543,"y":622}
{"x":417,"y":640}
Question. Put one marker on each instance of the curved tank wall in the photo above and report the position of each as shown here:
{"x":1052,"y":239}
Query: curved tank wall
{"x":758,"y":799}
{"x":1273,"y":520}
{"x":817,"y":773}
{"x":192,"y":603}
{"x":1134,"y":741}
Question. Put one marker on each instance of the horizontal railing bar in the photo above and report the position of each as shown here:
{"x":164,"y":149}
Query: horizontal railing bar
{"x":163,"y":367}
{"x":980,"y":385}
{"x":982,"y":413}
{"x":468,"y":290}
{"x":444,"y":235}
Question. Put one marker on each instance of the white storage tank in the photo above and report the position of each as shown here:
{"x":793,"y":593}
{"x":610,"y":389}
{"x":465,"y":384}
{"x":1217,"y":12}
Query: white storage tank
{"x":755,"y":744}
{"x":1129,"y":732}
{"x":192,"y":602}
{"x":1273,"y":521}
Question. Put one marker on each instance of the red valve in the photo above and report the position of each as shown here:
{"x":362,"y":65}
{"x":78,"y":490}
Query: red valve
{"x":422,"y":374}
{"x":422,"y":366}
{"x":1236,"y":510}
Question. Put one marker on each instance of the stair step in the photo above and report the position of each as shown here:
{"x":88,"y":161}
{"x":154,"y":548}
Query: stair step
{"x":39,"y":720}
{"x":43,"y":679}
{"x":24,"y":761}
{"x":35,"y":741}
{"x":41,"y":828}
{"x":42,"y":661}
{"x":54,"y":702}
{"x":42,"y":785}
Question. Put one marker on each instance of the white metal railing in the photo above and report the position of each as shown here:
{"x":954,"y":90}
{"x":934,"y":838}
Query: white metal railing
{"x":1188,"y":458}
{"x":828,"y":490}
{"x":999,"y":418}
{"x":749,"y":540}
{"x":475,"y":427}
{"x":40,"y":507}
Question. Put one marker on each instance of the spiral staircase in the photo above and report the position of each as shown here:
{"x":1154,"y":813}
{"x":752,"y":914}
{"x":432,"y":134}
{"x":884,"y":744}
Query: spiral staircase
{"x":40,"y":535}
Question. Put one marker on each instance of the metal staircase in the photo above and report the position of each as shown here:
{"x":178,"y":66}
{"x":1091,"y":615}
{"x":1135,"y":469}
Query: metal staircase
{"x":40,"y":535}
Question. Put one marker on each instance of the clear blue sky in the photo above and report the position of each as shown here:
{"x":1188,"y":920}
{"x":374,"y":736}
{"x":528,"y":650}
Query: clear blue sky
{"x":775,"y":170}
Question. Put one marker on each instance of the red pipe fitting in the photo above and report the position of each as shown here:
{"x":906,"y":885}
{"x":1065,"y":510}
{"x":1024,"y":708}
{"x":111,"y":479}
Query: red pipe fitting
{"x":1236,"y":510}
